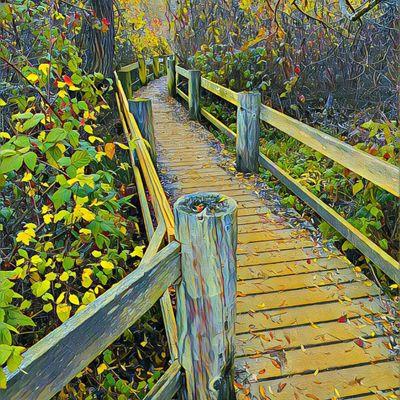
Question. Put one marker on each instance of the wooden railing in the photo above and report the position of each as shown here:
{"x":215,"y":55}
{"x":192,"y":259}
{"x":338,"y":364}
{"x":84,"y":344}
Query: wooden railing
{"x":250,"y":111}
{"x":51,"y":363}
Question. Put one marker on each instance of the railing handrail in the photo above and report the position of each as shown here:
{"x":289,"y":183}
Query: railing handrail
{"x":51,"y":363}
{"x":375,"y":170}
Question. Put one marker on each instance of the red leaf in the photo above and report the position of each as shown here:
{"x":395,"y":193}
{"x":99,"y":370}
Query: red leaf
{"x":105,"y":21}
{"x":68,"y":80}
{"x":308,"y":261}
{"x":342,"y":319}
{"x":359,"y":343}
{"x":297,"y":70}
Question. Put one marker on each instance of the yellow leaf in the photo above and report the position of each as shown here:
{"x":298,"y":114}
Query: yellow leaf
{"x":62,"y":94}
{"x":27,"y":177}
{"x":110,"y":150}
{"x":85,"y":231}
{"x":107,"y":265}
{"x":93,"y":139}
{"x":47,"y":218}
{"x":4,"y":135}
{"x":88,"y":129}
{"x":73,"y":299}
{"x":122,"y":146}
{"x":64,"y":276}
{"x":60,"y":298}
{"x":137,"y":252}
{"x":88,"y":297}
{"x":2,"y":102}
{"x":101,"y":368}
{"x":47,"y":307}
{"x":44,"y":68}
{"x":63,"y":311}
{"x":96,"y":253}
{"x":32,"y":77}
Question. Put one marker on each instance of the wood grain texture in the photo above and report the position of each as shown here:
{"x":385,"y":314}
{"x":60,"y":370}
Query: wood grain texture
{"x":221,"y":91}
{"x":142,"y":70}
{"x":52,"y":362}
{"x":380,"y":172}
{"x":156,"y":67}
{"x":206,"y":296}
{"x":171,"y":77}
{"x":286,"y":292}
{"x":142,"y":111}
{"x":248,"y":128}
{"x":126,"y":82}
{"x":168,"y":385}
{"x":194,"y":95}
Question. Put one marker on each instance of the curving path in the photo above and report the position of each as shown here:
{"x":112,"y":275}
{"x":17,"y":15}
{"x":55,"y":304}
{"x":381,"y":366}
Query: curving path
{"x":308,"y":326}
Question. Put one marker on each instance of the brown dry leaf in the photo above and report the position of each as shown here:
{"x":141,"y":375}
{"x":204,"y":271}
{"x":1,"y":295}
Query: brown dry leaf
{"x":281,"y":386}
{"x":276,"y":364}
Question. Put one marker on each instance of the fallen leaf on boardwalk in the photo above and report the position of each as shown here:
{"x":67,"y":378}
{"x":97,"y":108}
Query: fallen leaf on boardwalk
{"x":276,"y":364}
{"x":281,"y":386}
{"x":342,"y":319}
{"x":262,"y":371}
{"x":359,"y":343}
{"x":314,"y":325}
{"x":316,"y":372}
{"x":303,"y":349}
{"x":356,"y":381}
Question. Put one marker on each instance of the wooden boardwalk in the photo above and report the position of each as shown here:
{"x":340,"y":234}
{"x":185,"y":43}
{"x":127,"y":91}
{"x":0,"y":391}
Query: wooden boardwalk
{"x":309,"y":326}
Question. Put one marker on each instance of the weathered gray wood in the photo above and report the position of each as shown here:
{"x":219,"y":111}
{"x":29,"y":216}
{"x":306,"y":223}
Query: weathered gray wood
{"x":171,"y":76}
{"x":248,"y":132}
{"x":126,"y":82}
{"x":182,"y":71}
{"x":51,"y":363}
{"x":142,"y":71}
{"x":142,"y":110}
{"x":194,"y":94}
{"x":156,"y":67}
{"x":168,"y":385}
{"x":384,"y":261}
{"x":206,"y":296}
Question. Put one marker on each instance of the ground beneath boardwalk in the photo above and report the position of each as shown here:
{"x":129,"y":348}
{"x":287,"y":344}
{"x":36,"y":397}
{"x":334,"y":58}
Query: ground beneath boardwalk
{"x":308,"y":325}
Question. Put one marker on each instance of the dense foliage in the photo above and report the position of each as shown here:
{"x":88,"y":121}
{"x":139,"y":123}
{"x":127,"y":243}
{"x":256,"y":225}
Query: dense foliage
{"x":309,"y":60}
{"x":67,"y":225}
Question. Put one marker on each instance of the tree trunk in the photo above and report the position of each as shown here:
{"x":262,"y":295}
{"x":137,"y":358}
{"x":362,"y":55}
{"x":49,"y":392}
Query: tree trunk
{"x":99,"y":38}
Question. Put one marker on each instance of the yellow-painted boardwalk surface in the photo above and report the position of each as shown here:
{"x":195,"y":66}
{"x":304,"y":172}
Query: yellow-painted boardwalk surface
{"x":308,"y":325}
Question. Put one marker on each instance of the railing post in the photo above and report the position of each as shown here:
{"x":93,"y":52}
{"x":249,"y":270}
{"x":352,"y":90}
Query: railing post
{"x":126,"y":82}
{"x":248,"y":132}
{"x":171,"y":76}
{"x":142,"y":70}
{"x":141,"y":109}
{"x":206,"y":227}
{"x":156,"y":67}
{"x":194,"y":94}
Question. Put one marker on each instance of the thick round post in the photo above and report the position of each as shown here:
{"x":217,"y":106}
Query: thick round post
{"x":142,"y":70}
{"x":206,"y":227}
{"x":248,"y":132}
{"x":156,"y":67}
{"x":141,"y":109}
{"x":171,"y":76}
{"x":126,"y":82}
{"x":194,"y":94}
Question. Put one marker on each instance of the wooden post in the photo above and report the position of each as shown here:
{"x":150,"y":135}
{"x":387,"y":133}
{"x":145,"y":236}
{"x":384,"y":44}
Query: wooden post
{"x":156,"y":67}
{"x":206,"y":227}
{"x":194,"y":94}
{"x":142,"y":70}
{"x":126,"y":82}
{"x":141,"y":109}
{"x":165,"y":64}
{"x":171,"y":76}
{"x":248,"y":132}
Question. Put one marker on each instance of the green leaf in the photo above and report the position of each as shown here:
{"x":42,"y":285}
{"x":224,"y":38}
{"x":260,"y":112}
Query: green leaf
{"x":32,"y":122}
{"x":40,"y":288}
{"x":14,"y":361}
{"x":5,"y":352}
{"x":56,"y":135}
{"x":3,"y":378}
{"x":30,"y":160}
{"x":68,"y":263}
{"x":13,"y":163}
{"x":80,"y":158}
{"x":384,"y":244}
{"x":357,"y":187}
{"x":60,"y":197}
